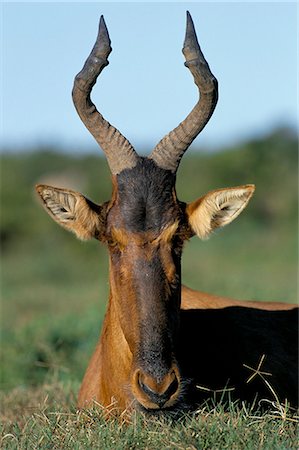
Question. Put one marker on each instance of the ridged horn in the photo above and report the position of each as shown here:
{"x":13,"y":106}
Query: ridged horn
{"x":169,"y":151}
{"x":118,"y":150}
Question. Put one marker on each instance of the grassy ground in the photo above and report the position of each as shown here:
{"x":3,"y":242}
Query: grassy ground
{"x":47,"y":418}
{"x":54,"y":291}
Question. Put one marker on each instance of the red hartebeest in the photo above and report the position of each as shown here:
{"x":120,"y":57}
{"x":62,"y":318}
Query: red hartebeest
{"x":161,"y":342}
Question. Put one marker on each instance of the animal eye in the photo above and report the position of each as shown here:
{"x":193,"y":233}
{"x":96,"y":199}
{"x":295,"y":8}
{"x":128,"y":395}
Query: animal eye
{"x":112,"y":243}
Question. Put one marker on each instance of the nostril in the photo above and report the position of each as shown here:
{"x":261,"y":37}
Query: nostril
{"x":172,"y":388}
{"x":146,"y":388}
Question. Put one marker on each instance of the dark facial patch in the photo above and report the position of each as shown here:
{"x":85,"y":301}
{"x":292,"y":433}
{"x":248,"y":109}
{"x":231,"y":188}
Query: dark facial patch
{"x":146,"y":197}
{"x":145,"y":231}
{"x":158,"y":304}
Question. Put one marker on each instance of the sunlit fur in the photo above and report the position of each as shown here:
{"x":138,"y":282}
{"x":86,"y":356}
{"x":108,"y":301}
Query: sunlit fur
{"x":72,"y":211}
{"x":218,"y":208}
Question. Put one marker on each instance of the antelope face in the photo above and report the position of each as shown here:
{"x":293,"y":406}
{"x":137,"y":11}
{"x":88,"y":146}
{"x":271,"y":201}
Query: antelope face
{"x":145,"y":232}
{"x":144,"y":225}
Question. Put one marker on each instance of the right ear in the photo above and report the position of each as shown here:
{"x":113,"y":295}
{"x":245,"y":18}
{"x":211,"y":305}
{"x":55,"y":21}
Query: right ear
{"x":73,"y":211}
{"x":217,"y":208}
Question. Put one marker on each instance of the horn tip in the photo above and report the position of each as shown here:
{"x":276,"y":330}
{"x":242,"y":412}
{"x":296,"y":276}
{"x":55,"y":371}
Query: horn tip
{"x":103,"y":43}
{"x":191,"y":47}
{"x":190,"y":29}
{"x":102,"y":20}
{"x":103,"y":30}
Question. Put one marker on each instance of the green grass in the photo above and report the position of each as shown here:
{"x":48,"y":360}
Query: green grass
{"x":47,"y":418}
{"x":54,"y":290}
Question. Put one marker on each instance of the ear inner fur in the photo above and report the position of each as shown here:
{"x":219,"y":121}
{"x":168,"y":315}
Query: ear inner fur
{"x":218,"y":208}
{"x":73,"y":211}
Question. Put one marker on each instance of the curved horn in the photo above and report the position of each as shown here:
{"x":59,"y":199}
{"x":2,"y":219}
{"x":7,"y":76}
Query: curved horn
{"x":118,"y":150}
{"x":169,"y":151}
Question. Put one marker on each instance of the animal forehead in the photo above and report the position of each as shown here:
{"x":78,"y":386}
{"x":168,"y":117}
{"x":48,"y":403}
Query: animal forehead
{"x":146,"y":197}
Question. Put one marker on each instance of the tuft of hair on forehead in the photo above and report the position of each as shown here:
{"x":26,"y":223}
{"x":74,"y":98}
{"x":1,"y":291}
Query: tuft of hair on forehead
{"x":146,"y":196}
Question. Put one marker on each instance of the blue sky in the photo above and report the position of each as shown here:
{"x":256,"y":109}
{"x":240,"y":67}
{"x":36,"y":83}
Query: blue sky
{"x":146,"y":90}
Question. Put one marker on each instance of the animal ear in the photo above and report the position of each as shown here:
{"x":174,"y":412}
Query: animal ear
{"x":217,"y":208}
{"x":73,"y":211}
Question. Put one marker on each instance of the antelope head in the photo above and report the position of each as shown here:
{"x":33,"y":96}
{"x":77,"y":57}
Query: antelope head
{"x":144,"y":225}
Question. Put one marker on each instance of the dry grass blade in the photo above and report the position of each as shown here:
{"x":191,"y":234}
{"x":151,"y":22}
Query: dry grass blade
{"x":216,"y":391}
{"x":257,"y":371}
{"x":281,"y":410}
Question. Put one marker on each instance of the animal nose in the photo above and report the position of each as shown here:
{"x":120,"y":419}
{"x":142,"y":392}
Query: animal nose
{"x":156,"y":394}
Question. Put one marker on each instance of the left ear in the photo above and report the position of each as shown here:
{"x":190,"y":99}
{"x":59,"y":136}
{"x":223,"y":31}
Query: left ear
{"x":217,"y":208}
{"x":73,"y":211}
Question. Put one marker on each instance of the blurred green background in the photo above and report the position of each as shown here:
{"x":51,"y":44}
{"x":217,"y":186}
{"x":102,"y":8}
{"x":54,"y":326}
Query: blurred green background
{"x":54,"y":287}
